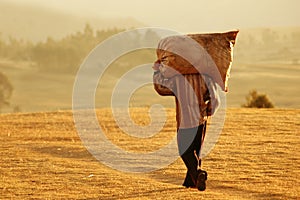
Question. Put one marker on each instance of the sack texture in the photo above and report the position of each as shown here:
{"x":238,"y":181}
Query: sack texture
{"x":219,"y":46}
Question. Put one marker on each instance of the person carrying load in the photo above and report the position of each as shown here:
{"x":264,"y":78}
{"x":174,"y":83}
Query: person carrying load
{"x":192,"y":68}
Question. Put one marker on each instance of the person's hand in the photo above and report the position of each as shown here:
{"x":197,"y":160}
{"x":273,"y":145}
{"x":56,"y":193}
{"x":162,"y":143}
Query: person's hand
{"x":156,"y":66}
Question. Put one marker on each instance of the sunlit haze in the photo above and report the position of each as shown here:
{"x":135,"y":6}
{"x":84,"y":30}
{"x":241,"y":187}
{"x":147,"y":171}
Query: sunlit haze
{"x":187,"y":16}
{"x":38,"y":37}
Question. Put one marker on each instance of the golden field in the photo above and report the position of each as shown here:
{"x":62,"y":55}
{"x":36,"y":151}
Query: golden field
{"x":42,"y":157}
{"x":256,"y":157}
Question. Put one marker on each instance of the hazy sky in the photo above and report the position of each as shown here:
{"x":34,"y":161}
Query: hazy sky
{"x":185,"y":15}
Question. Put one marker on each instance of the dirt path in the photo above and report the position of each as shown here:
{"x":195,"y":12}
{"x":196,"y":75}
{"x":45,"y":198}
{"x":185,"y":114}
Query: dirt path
{"x":257,"y":157}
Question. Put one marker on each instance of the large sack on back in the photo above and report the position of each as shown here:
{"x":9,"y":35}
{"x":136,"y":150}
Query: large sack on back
{"x":209,"y":54}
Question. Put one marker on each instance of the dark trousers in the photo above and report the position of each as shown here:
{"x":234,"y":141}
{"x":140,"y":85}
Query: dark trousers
{"x":189,"y":145}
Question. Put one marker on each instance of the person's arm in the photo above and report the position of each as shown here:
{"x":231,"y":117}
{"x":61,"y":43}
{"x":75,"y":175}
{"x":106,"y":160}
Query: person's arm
{"x":212,"y":98}
{"x":162,"y":85}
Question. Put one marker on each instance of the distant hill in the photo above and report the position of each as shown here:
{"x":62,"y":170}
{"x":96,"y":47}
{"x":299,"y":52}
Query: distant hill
{"x":35,"y":23}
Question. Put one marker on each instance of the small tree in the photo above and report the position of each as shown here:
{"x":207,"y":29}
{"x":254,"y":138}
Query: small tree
{"x":255,"y":100}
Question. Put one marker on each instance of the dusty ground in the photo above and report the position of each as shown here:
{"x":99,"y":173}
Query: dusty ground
{"x":257,"y":157}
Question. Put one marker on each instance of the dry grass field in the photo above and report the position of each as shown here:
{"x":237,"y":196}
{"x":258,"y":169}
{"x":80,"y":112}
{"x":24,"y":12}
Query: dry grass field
{"x":256,"y":157}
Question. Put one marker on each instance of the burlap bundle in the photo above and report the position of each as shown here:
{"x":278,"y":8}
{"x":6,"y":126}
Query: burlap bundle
{"x":219,"y":47}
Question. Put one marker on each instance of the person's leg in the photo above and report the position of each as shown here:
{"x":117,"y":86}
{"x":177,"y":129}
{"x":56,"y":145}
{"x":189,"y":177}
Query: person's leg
{"x":188,"y":182}
{"x":199,"y":141}
{"x":198,"y":145}
{"x":191,"y":162}
{"x":188,"y":139}
{"x":202,"y":175}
